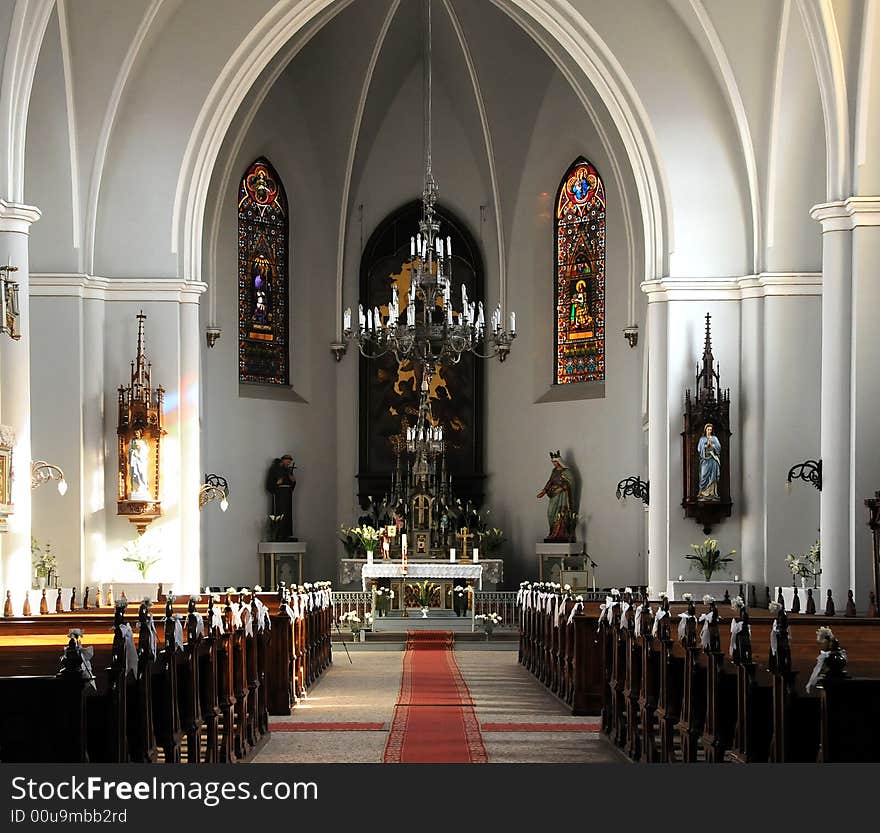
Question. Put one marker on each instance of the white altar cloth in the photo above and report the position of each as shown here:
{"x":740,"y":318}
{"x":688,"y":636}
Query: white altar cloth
{"x":394,"y":569}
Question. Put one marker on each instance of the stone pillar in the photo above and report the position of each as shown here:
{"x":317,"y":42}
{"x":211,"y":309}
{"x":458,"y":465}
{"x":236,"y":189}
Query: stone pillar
{"x":15,"y":401}
{"x":753,"y":504}
{"x":865,"y":418}
{"x":836,"y":500}
{"x":190,"y":441}
{"x":658,"y":443}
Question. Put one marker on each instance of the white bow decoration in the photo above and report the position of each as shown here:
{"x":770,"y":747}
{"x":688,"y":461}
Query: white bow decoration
{"x":131,"y":656}
{"x":817,"y":670}
{"x":704,"y":633}
{"x":661,"y":614}
{"x":682,"y":625}
{"x":773,"y":632}
{"x":735,"y":629}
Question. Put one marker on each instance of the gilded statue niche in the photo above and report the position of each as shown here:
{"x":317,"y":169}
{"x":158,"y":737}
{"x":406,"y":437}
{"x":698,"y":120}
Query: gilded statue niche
{"x":139,"y":431}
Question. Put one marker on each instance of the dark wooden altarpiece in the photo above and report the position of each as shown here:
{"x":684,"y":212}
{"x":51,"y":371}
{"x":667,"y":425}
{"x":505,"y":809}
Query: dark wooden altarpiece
{"x":389,"y":390}
{"x":708,"y":404}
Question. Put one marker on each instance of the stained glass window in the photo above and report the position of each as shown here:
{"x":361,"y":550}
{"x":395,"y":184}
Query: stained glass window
{"x":263,"y":354}
{"x":580,"y":276}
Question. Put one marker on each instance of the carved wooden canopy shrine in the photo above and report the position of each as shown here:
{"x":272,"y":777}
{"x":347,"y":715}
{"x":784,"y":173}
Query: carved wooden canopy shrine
{"x":139,"y":430}
{"x":709,"y":405}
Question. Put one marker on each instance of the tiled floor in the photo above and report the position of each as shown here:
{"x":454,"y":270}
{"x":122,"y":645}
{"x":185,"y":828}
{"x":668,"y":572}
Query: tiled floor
{"x":365,"y":691}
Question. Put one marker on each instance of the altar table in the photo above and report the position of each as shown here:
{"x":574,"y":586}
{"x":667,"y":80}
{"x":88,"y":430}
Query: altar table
{"x":422,"y":571}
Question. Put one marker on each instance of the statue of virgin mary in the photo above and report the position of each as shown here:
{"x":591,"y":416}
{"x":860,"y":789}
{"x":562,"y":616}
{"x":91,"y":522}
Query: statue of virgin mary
{"x":709,"y":451}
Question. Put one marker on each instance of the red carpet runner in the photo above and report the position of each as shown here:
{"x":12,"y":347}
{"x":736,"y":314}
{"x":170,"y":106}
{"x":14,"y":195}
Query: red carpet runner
{"x":434,"y":720}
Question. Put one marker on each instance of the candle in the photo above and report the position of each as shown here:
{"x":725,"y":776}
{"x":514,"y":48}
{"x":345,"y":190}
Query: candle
{"x":513,"y":322}
{"x":736,"y":578}
{"x":476,"y":554}
{"x":452,"y":554}
{"x":412,"y":247}
{"x":681,"y":578}
{"x":448,"y":246}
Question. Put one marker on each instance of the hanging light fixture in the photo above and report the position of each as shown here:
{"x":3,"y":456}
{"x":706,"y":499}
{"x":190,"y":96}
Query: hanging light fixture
{"x":42,"y":472}
{"x":215,"y":487}
{"x":425,"y":327}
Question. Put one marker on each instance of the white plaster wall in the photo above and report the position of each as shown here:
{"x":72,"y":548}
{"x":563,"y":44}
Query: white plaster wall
{"x":792,"y":363}
{"x":600,"y":439}
{"x":241,"y":434}
{"x":56,"y":428}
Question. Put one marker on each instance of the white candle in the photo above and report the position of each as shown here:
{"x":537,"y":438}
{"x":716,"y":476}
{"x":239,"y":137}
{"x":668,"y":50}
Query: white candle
{"x":452,"y":553}
{"x":736,"y":578}
{"x":476,"y":554}
{"x":412,"y":247}
{"x":513,"y":322}
{"x":448,"y":246}
{"x":440,"y":248}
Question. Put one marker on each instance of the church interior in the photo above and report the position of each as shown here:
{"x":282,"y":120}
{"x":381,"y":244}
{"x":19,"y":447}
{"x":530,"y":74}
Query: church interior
{"x":440,"y":380}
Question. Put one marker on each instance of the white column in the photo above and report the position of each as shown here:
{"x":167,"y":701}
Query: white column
{"x":190,"y":442}
{"x":865,"y":386}
{"x":15,"y":402}
{"x":658,"y":443}
{"x":753,"y":551}
{"x":836,"y":499}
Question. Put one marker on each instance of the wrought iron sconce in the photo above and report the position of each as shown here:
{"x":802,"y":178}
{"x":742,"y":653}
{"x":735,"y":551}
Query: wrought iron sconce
{"x":214,"y":488}
{"x":211,"y":335}
{"x":339,"y":349}
{"x":42,"y":472}
{"x":810,"y":471}
{"x":631,"y":334}
{"x":634,"y":486}
{"x":9,"y":302}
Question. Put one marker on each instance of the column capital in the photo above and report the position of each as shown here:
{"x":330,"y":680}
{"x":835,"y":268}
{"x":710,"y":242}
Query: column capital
{"x":845,"y":215}
{"x":18,"y":217}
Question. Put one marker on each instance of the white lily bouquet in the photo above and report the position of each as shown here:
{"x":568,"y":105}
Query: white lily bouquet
{"x":807,"y":567}
{"x":384,"y":595}
{"x":353,"y":621}
{"x":489,"y":621}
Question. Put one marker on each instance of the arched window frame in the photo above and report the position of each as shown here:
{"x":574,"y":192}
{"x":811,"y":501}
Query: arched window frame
{"x":579,"y":313}
{"x":263,"y":320}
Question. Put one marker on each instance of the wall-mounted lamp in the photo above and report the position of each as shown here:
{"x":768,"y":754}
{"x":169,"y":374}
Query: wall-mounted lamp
{"x":810,"y":471}
{"x":211,"y":335}
{"x":634,"y":486}
{"x":631,"y":334}
{"x":338,"y":349}
{"x":214,"y":488}
{"x":42,"y":472}
{"x":9,"y":302}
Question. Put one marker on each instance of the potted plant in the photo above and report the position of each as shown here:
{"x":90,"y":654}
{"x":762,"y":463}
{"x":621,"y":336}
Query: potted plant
{"x":384,"y":595}
{"x":707,"y":557}
{"x":354,"y":624}
{"x":425,"y":594}
{"x":489,"y":621}
{"x":44,"y":563}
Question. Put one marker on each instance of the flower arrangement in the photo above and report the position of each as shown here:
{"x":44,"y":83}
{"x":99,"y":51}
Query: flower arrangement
{"x":143,"y":552}
{"x":367,"y":536}
{"x":353,"y":621}
{"x":491,"y":540}
{"x":687,"y":597}
{"x":774,"y":606}
{"x":460,"y":594}
{"x":824,"y":634}
{"x":737,"y":603}
{"x":707,"y":599}
{"x":274,"y":526}
{"x":384,"y":595}
{"x":708,"y":557}
{"x":425,"y":593}
{"x":489,"y":621}
{"x":807,"y":566}
{"x":350,"y":541}
{"x":44,"y":563}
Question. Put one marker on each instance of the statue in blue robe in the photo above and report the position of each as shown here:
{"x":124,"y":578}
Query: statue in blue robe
{"x":709,"y":451}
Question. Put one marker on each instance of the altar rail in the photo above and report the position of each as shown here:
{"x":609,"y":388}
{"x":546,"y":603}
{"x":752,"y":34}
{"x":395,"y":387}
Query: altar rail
{"x":345,"y":601}
{"x":502,"y":602}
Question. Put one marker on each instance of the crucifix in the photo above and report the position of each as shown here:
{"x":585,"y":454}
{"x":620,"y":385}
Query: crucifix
{"x":422,"y":511}
{"x":464,"y":536}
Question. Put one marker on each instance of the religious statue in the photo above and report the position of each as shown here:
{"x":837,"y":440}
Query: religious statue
{"x":138,"y":467}
{"x":280,"y":483}
{"x":560,"y":489}
{"x":709,"y":451}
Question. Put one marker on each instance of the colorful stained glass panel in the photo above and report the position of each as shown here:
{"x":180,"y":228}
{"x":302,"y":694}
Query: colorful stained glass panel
{"x":263,"y":354}
{"x":580,"y":276}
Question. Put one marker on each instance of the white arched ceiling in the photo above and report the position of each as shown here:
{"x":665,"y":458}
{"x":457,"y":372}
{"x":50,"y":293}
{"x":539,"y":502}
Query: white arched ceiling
{"x":169,"y":109}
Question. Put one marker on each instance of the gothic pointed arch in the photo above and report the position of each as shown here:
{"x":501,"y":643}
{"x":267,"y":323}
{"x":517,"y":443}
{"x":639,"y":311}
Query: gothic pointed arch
{"x":263,"y":291}
{"x":579,"y":276}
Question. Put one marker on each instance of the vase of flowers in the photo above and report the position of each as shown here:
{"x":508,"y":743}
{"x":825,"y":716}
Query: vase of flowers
{"x":44,"y":563}
{"x":807,"y":567}
{"x":143,"y":552}
{"x":460,"y":599}
{"x":354,"y":624}
{"x":707,"y":557}
{"x":489,"y":621}
{"x":384,"y":595}
{"x":425,"y":591}
{"x":367,"y":536}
